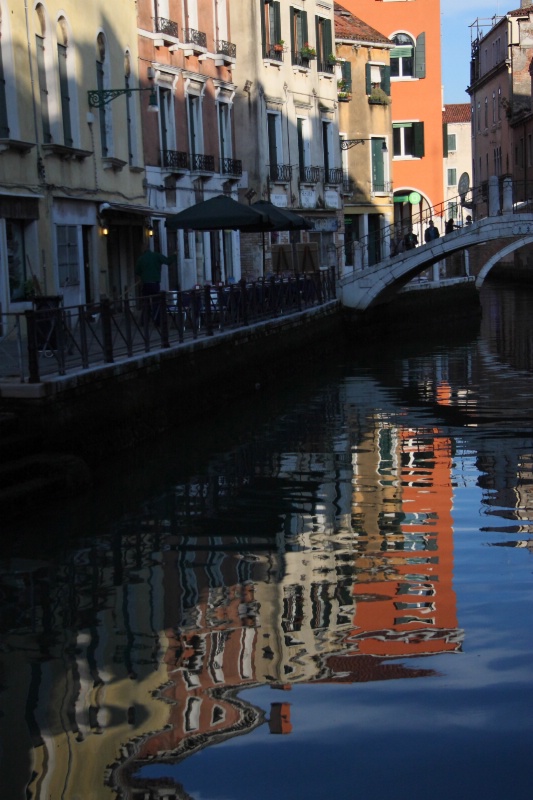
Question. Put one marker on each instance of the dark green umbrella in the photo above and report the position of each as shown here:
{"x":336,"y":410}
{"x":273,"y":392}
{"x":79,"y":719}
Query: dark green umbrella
{"x":220,"y":213}
{"x":282,"y":219}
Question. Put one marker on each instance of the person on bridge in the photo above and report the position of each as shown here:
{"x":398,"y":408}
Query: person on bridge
{"x":410,"y":239}
{"x":431,"y":232}
{"x":450,"y":226}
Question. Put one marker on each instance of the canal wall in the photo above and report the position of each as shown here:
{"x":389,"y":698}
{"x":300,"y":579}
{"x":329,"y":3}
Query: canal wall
{"x":112,"y":407}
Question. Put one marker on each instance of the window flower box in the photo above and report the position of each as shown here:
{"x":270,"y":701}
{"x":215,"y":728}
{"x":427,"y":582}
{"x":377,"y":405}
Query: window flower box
{"x":307,"y":51}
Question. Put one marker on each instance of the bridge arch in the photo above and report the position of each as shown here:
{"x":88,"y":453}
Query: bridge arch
{"x":493,"y":260}
{"x":366,"y":287}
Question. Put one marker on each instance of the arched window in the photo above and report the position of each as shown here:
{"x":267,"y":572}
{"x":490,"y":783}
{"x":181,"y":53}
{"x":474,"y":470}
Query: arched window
{"x":402,"y":56}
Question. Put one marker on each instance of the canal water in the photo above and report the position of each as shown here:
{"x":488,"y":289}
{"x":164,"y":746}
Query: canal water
{"x":327,"y":592}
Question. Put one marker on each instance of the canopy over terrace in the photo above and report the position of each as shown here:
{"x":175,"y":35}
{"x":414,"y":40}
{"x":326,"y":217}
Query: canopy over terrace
{"x":224,"y":213}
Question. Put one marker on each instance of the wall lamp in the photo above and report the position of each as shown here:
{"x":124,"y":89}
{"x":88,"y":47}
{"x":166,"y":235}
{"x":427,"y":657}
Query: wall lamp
{"x":100,"y":97}
{"x":346,"y":144}
{"x":104,"y":230}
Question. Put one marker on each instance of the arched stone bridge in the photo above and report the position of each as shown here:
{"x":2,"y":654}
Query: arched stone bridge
{"x":364,"y":288}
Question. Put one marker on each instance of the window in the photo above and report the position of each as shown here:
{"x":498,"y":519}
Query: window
{"x":274,"y":145}
{"x":63,"y":68}
{"x":452,"y":142}
{"x":452,"y":177}
{"x":327,"y":131}
{"x":453,"y":210}
{"x":16,"y":259}
{"x":67,"y":255}
{"x":406,"y":59}
{"x":498,"y":159}
{"x":494,"y":106}
{"x":377,"y":77}
{"x":408,"y":139}
{"x":299,"y":34}
{"x":271,"y":28}
{"x":379,"y":155}
{"x":130,"y":116}
{"x":486,"y":112}
{"x":101,"y":80}
{"x":304,"y":147}
{"x":40,"y":45}
{"x":4,"y":127}
{"x":195,"y":128}
{"x":324,"y":44}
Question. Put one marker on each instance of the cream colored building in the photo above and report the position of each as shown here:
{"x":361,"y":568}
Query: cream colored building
{"x":456,"y":119}
{"x":287,"y":121}
{"x":64,"y":162}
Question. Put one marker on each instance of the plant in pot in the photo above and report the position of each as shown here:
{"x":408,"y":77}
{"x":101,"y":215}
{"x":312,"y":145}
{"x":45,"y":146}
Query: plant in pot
{"x":307,"y":51}
{"x":278,"y":47}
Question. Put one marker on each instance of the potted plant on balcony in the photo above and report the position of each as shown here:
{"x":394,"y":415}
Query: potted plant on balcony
{"x":332,"y":58}
{"x":307,"y":51}
{"x":278,"y":47}
{"x":343,"y":91}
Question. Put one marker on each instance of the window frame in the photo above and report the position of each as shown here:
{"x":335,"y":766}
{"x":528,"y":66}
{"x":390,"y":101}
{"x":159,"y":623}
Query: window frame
{"x":417,"y":146}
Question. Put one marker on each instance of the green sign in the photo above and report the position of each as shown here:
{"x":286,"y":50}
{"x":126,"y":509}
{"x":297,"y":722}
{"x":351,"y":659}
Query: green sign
{"x":414,"y":198}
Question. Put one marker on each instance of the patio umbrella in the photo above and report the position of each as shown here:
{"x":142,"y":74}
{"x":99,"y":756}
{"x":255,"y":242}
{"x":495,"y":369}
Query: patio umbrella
{"x":282,"y":219}
{"x":220,"y":213}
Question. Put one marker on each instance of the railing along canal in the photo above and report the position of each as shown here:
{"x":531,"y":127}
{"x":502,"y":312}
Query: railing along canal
{"x":61,"y":340}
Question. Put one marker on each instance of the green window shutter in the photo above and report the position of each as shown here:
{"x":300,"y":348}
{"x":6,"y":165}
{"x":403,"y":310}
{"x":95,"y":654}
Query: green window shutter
{"x":328,"y":40}
{"x":445,"y":139}
{"x":368,"y":71}
{"x":262,"y":5}
{"x":305,"y":31}
{"x":294,"y":43}
{"x":277,"y":21}
{"x":346,"y":72}
{"x":385,"y":80}
{"x":4,"y":125}
{"x":65,"y":98}
{"x":420,"y":56}
{"x":418,"y":131}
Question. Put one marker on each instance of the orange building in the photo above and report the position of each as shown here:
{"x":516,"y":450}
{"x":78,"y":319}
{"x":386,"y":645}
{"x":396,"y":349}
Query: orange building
{"x":416,"y":91}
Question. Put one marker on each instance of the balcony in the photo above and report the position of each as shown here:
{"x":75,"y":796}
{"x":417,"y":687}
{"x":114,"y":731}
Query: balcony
{"x":200,"y":163}
{"x":326,"y":66}
{"x":310,"y":175}
{"x":348,"y":184}
{"x":197,"y":40}
{"x":303,"y":59}
{"x":382,"y":187}
{"x":280,"y":173}
{"x":226,"y":50}
{"x":231,"y":168}
{"x":175,"y":161}
{"x":166,"y":27}
{"x":334,"y":176}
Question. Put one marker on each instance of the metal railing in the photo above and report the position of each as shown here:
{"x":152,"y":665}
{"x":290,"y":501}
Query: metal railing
{"x":191,"y":36}
{"x":175,"y":159}
{"x":230,"y":166}
{"x":57,"y":340}
{"x":226,"y":48}
{"x":168,"y":26}
{"x":280,"y":172}
{"x":202,"y":163}
{"x":310,"y":174}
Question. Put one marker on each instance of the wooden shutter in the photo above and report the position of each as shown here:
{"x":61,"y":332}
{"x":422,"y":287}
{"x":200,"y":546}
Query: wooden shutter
{"x":277,"y":21}
{"x":418,"y":134}
{"x":328,"y":40}
{"x":4,"y":126}
{"x":262,"y":5}
{"x":346,"y":72}
{"x":385,"y":80}
{"x":368,"y":78}
{"x":445,"y":139}
{"x":65,"y":98}
{"x":420,"y":56}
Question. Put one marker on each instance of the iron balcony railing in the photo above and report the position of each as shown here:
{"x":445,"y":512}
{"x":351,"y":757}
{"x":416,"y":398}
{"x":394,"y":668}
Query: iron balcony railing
{"x":300,"y":60}
{"x":226,"y":48}
{"x":274,"y":52}
{"x":310,"y":174}
{"x":280,"y":172}
{"x":53,"y":340}
{"x":325,"y":66}
{"x":382,"y":187}
{"x":191,"y":36}
{"x":167,"y":26}
{"x":230,"y":166}
{"x":334,"y":176}
{"x":174,"y":159}
{"x":202,"y":163}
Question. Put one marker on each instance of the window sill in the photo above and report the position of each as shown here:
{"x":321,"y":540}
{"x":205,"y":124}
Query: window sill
{"x":65,"y":153}
{"x":17,"y":145}
{"x":113,"y":163}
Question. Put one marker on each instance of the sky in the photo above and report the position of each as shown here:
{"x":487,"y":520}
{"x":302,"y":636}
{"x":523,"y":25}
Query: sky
{"x":457,"y":16}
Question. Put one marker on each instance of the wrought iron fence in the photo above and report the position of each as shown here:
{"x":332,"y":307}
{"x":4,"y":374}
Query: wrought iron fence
{"x":230,"y":166}
{"x":334,"y":176}
{"x":280,"y":172}
{"x":51,"y":341}
{"x":310,"y":174}
{"x":202,"y":163}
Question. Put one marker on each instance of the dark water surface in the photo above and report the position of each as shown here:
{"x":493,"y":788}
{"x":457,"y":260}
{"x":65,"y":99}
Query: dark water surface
{"x":325,"y":593}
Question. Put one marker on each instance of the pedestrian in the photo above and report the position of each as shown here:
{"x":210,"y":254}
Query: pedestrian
{"x":450,"y":226}
{"x":148,"y":270}
{"x":431,"y":232}
{"x":410,"y":239}
{"x":468,"y":220}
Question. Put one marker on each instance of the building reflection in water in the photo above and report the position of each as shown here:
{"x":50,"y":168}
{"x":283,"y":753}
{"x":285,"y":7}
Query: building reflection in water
{"x":328,"y":562}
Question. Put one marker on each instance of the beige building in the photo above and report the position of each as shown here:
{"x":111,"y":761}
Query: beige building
{"x":363,"y":92}
{"x":66,"y":158}
{"x":286,"y":127}
{"x":457,"y":159}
